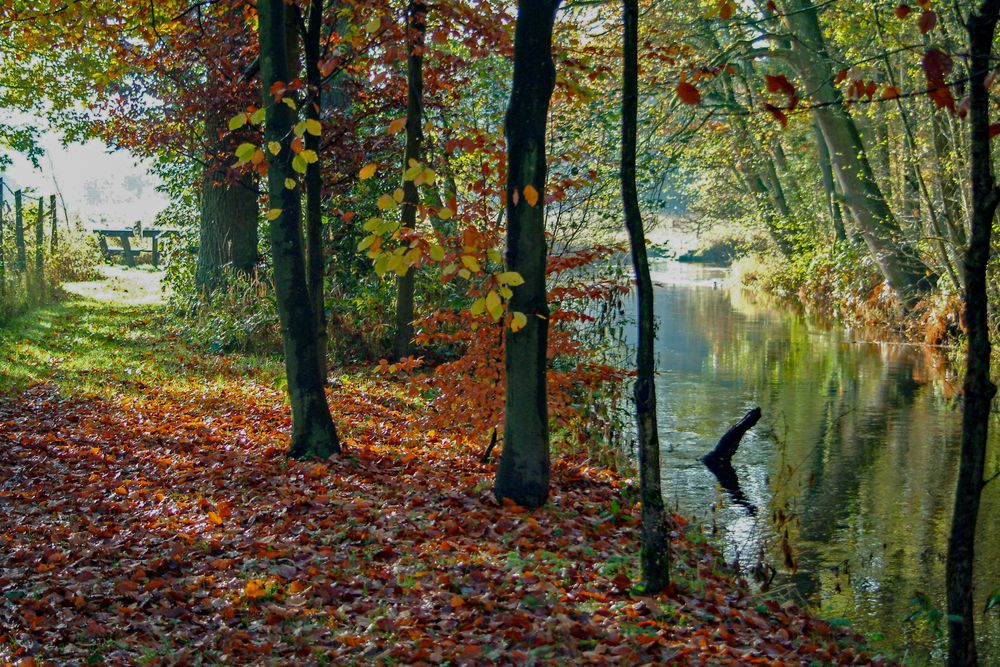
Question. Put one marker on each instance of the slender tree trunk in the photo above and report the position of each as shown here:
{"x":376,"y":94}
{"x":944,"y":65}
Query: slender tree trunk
{"x":22,"y":251}
{"x":898,"y":262}
{"x":523,"y":472}
{"x":978,"y":390}
{"x":315,"y":256}
{"x":416,"y":26}
{"x":313,"y":432}
{"x":229,"y":213}
{"x":3,"y":258}
{"x":829,"y":186}
{"x":655,"y":535}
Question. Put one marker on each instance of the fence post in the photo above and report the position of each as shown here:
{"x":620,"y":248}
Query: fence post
{"x":39,"y":247}
{"x":54,"y":239}
{"x":22,"y":253}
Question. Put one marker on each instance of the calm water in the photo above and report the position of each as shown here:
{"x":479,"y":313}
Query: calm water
{"x":855,"y":458}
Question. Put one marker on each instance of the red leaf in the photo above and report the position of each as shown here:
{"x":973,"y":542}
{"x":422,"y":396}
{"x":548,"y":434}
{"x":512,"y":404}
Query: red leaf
{"x":688,"y":93}
{"x":994,"y":130}
{"x":902,"y":11}
{"x":779,"y":84}
{"x":778,"y":114}
{"x":927,"y":21}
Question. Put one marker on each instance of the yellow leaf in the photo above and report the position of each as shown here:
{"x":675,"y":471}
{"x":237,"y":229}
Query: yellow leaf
{"x":300,"y":128}
{"x":530,"y":195}
{"x":412,"y":172}
{"x":511,"y":278}
{"x":367,"y":171}
{"x":290,"y":183}
{"x":517,"y":321}
{"x":436,"y":253}
{"x":471,"y":263}
{"x":290,"y":103}
{"x":478,"y":307}
{"x":396,"y":125}
{"x":366,"y":241}
{"x":214,"y":519}
{"x":445,"y":213}
{"x":299,"y":164}
{"x":254,"y":589}
{"x":386,"y":203}
{"x":398,"y":195}
{"x":273,"y":214}
{"x":314,"y":127}
{"x":274,"y":147}
{"x":494,"y":305}
{"x":309,"y":156}
{"x":373,"y":25}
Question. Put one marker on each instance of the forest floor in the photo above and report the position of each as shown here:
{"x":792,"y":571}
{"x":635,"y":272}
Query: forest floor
{"x":148,"y":515}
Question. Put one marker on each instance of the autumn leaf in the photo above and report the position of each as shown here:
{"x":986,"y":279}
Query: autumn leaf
{"x":396,"y":125}
{"x":903,"y":10}
{"x":367,"y":171}
{"x":530,"y":195}
{"x":928,"y":20}
{"x":687,"y":93}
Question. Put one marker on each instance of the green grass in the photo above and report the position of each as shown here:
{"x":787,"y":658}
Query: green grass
{"x":111,"y":336}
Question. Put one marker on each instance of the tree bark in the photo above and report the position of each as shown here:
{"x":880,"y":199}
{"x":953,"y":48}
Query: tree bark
{"x":229,"y":214}
{"x":898,"y":262}
{"x":978,"y":390}
{"x":3,"y":258}
{"x":315,"y":256}
{"x":313,"y":432}
{"x":416,"y":26}
{"x":523,"y":472}
{"x":655,"y":556}
{"x":730,"y":440}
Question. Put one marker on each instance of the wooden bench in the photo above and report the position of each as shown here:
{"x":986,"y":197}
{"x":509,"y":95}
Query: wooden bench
{"x":126,"y":251}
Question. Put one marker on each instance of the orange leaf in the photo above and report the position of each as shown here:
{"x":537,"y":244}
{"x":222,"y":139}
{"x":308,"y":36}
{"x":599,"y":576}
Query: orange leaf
{"x":214,"y":518}
{"x":396,"y":125}
{"x":890,"y":93}
{"x":530,"y":195}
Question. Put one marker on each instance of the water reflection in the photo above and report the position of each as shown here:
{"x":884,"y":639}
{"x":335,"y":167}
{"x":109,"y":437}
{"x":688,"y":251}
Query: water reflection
{"x":854,"y":460}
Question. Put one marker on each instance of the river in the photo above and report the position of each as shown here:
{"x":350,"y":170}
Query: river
{"x":854,"y":460}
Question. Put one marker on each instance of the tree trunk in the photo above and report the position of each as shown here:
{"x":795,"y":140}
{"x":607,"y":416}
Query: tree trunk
{"x":978,"y":390}
{"x":313,"y":432}
{"x":315,"y":256}
{"x":898,"y":262}
{"x":523,"y":472}
{"x":416,"y":27}
{"x":655,"y":555}
{"x":22,"y":251}
{"x":3,"y":259}
{"x":829,"y":186}
{"x":229,"y":212}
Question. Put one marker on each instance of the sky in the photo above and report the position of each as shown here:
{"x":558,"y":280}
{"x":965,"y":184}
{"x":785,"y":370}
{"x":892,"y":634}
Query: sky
{"x":104,"y":187}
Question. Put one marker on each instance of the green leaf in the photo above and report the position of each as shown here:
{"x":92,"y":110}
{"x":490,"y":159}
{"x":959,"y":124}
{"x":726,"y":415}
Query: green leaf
{"x":237,"y":121}
{"x":366,"y":242}
{"x":992,"y":601}
{"x":478,"y":307}
{"x":436,"y":253}
{"x":300,"y":128}
{"x":299,"y":164}
{"x":257,"y":117}
{"x":245,"y":151}
{"x":290,"y":103}
{"x":412,"y":172}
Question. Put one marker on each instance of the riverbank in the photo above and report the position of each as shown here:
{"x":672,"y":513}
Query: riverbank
{"x":151,"y":516}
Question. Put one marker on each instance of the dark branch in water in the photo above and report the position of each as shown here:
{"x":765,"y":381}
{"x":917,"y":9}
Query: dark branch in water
{"x":730,"y":442}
